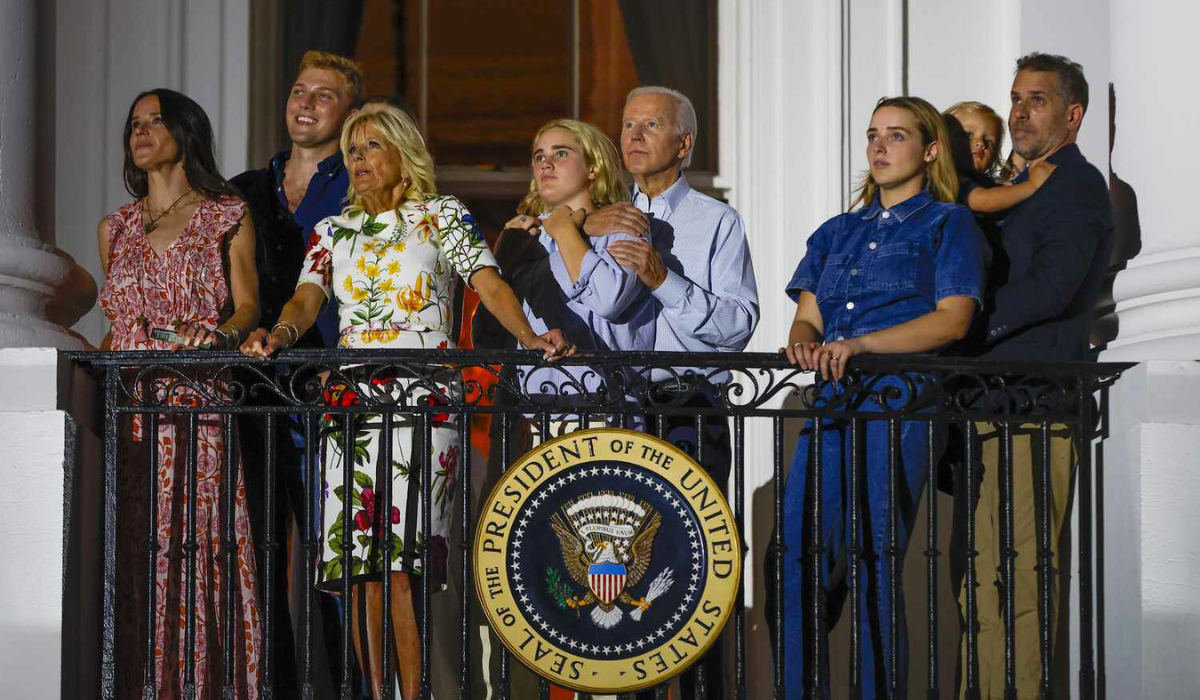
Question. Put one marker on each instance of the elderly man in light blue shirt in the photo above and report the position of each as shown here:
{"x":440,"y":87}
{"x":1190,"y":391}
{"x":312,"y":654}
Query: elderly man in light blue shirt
{"x":697,"y":267}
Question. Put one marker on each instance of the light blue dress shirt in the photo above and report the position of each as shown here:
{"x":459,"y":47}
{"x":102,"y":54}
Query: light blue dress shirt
{"x":709,"y":300}
{"x":607,"y":308}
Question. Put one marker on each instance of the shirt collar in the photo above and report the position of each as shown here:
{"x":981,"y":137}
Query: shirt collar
{"x":278,"y":163}
{"x":901,"y":211}
{"x":673,"y":197}
{"x":1064,"y":154}
{"x":331,"y":165}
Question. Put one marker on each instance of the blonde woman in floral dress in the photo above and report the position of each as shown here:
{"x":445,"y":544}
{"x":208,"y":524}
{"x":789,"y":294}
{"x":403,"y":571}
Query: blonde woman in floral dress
{"x":392,"y":259}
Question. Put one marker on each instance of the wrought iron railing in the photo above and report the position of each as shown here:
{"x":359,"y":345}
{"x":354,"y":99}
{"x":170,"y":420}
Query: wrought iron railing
{"x":214,"y":391}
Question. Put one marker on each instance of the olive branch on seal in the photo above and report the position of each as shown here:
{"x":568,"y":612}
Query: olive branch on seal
{"x":560,"y":590}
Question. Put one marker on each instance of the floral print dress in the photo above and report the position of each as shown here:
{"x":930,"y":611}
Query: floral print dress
{"x":394,"y":278}
{"x":145,"y":289}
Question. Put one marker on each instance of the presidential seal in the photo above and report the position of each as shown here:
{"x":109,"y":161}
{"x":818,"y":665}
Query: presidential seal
{"x":607,"y":560}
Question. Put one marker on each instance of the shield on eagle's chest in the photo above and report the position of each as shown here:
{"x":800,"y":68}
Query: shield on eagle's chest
{"x":607,"y":581}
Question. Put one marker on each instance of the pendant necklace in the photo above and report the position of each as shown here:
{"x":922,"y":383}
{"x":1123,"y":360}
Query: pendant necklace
{"x":152,"y":224}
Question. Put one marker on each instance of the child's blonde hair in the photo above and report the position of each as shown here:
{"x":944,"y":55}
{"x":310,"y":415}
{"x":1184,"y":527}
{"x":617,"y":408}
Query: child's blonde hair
{"x":993,"y":169}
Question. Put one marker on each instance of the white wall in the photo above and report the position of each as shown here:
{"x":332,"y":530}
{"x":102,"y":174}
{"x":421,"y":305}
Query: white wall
{"x":1153,"y":533}
{"x":31,"y":518}
{"x":107,"y":52}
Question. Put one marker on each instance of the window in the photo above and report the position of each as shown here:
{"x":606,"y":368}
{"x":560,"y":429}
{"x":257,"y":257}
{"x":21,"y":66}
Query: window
{"x":481,"y":77}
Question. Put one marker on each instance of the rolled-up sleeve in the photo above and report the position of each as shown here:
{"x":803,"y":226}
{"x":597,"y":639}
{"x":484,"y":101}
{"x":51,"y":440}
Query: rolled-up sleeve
{"x":961,"y":258}
{"x":604,"y":286}
{"x":808,"y":273}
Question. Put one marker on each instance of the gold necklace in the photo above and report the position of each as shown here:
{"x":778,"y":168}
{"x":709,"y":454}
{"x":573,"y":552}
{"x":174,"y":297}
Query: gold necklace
{"x":152,"y":224}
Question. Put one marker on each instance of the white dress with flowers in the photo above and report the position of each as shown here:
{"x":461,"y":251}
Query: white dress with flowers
{"x":394,"y":277}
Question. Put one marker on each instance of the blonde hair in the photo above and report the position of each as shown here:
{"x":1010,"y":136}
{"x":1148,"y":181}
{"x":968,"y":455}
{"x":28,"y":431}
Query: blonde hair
{"x":940,"y":177}
{"x":348,"y":69}
{"x":601,"y":156}
{"x":971,"y":107}
{"x":397,"y":128}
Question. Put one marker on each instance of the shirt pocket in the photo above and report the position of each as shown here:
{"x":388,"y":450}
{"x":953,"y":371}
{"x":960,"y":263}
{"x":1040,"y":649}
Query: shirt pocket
{"x":893,"y":268}
{"x":831,"y":276}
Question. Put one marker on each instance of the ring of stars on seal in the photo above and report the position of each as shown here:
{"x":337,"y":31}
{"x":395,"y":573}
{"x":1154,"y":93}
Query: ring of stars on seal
{"x":607,"y":560}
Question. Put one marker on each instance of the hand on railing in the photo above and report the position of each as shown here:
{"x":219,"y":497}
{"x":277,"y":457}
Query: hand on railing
{"x":553,"y":344}
{"x":829,"y":360}
{"x":187,"y":336}
{"x":262,"y":344}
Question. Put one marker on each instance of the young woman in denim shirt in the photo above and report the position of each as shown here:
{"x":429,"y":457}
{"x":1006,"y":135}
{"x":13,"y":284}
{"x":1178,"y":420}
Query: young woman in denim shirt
{"x":901,"y":273}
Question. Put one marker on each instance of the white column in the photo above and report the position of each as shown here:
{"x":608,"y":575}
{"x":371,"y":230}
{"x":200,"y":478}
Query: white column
{"x":1158,"y":294}
{"x":41,"y":287}
{"x":1151,"y":485}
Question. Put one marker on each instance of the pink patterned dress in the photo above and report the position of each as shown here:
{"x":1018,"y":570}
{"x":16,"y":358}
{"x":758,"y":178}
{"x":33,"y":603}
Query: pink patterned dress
{"x":143,"y":290}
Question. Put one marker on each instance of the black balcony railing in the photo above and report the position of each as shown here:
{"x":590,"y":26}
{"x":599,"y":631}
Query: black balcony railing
{"x":220,"y":391}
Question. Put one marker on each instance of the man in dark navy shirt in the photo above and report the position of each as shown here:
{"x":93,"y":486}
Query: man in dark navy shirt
{"x":1056,"y":244}
{"x":297,"y":189}
{"x":303,"y":185}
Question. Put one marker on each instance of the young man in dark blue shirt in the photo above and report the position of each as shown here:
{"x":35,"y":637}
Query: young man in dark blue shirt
{"x":297,"y":189}
{"x":1056,"y":247}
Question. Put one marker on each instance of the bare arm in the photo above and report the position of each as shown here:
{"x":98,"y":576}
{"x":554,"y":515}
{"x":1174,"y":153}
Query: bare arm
{"x":103,"y":243}
{"x":301,"y":311}
{"x":243,"y":283}
{"x":945,"y":324}
{"x":563,"y":225}
{"x":804,"y":337}
{"x":243,"y":276}
{"x":988,"y":200}
{"x":499,"y":299}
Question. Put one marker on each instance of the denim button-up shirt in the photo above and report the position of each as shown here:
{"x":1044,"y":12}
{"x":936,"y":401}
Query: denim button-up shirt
{"x":875,"y":268}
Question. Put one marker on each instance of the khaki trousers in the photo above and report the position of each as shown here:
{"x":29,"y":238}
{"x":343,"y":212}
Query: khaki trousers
{"x":1027,"y":464}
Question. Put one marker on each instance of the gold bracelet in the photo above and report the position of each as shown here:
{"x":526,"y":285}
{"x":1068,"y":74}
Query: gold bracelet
{"x":231,"y":335}
{"x":292,"y":331}
{"x":521,"y":336}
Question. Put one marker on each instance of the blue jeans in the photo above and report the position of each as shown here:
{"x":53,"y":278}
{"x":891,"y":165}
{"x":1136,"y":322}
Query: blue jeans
{"x":875,"y":603}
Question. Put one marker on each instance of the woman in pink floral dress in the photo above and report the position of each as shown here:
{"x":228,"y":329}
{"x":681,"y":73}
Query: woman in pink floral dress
{"x":392,"y":259}
{"x":180,"y":257}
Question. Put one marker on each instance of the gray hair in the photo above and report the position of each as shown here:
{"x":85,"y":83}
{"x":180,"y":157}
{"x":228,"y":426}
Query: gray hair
{"x":685,"y":113}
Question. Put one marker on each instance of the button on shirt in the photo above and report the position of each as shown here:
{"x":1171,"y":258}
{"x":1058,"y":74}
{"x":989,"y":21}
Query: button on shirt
{"x":709,"y":300}
{"x":876,"y":268}
{"x":326,"y":196}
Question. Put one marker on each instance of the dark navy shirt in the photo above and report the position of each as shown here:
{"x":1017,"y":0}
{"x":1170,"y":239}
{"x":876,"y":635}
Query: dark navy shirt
{"x":326,"y":196}
{"x":875,"y":268}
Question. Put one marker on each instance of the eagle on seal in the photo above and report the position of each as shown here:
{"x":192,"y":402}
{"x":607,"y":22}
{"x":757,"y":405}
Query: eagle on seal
{"x":606,"y":542}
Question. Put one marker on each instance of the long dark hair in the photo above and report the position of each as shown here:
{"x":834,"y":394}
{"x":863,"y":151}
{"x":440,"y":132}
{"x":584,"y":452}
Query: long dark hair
{"x":189,"y":126}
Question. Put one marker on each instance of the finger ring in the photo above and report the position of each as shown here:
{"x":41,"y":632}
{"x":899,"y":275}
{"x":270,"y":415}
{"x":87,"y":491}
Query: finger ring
{"x":521,"y":219}
{"x":835,"y":358}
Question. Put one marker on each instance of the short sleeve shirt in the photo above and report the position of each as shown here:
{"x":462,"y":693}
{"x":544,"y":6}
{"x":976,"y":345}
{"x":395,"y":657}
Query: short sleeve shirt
{"x":875,"y":268}
{"x":395,"y":271}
